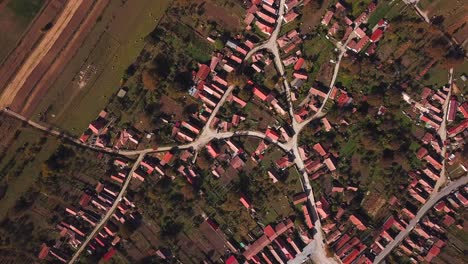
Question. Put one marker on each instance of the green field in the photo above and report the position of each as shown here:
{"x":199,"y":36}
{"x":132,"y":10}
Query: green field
{"x":25,"y":9}
{"x":15,"y":17}
{"x":110,"y":48}
{"x":22,"y":166}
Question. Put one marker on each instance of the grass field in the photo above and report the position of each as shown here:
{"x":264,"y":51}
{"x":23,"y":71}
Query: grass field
{"x":15,"y":17}
{"x":111,"y":47}
{"x":23,"y":173}
{"x":25,"y":9}
{"x":382,"y":10}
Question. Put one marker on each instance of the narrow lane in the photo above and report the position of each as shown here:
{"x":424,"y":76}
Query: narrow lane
{"x":426,"y":207}
{"x":109,"y":212}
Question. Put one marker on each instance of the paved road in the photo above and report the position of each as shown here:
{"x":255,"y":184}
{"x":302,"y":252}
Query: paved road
{"x":320,"y":112}
{"x":442,"y":132}
{"x":426,"y":207}
{"x":109,"y":212}
{"x":55,"y":132}
{"x":197,"y":144}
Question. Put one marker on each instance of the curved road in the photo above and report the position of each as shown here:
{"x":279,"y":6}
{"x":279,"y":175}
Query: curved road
{"x":426,"y":207}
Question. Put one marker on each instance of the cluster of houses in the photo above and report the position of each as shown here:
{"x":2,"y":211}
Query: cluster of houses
{"x":316,"y":97}
{"x":209,"y":85}
{"x":429,"y":235}
{"x":98,"y":134}
{"x":355,"y":30}
{"x":431,"y":114}
{"x":277,"y":244}
{"x":267,"y":97}
{"x":263,"y":14}
{"x":79,"y":221}
{"x":342,"y":233}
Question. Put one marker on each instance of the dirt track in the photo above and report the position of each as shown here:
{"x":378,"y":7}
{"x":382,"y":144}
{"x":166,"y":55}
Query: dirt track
{"x":39,"y":53}
{"x":34,"y":33}
{"x":63,"y":59}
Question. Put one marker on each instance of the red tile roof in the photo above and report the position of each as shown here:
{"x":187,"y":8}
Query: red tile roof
{"x":244,"y":201}
{"x":459,"y":128}
{"x":359,"y":225}
{"x":464,"y":109}
{"x":298,"y":64}
{"x":421,"y":153}
{"x":299,"y":198}
{"x":259,"y":93}
{"x":231,"y":260}
{"x":378,"y":33}
{"x":44,"y":251}
{"x":202,"y":73}
{"x":271,"y":134}
{"x":326,"y":19}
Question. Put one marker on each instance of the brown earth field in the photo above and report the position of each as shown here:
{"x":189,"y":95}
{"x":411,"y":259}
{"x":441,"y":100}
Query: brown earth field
{"x":31,"y":37}
{"x":94,"y":73}
{"x":454,"y":14}
{"x":33,"y":67}
{"x":63,"y":58}
{"x":52,"y":56}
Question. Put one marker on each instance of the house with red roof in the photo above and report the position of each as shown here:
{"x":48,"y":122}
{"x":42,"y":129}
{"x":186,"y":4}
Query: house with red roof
{"x":84,"y":200}
{"x":290,"y":16}
{"x":299,"y":64}
{"x":300,"y":75}
{"x":320,"y":150}
{"x":327,"y":18}
{"x":283,"y":162}
{"x":307,"y":217}
{"x":312,"y":166}
{"x":231,"y":260}
{"x":333,"y":29}
{"x":245,"y":202}
{"x":337,"y":189}
{"x":330,"y":164}
{"x":299,"y":198}
{"x":452,"y":111}
{"x":432,"y":253}
{"x":321,"y":209}
{"x":98,"y":125}
{"x":259,"y":93}
{"x":44,"y":251}
{"x":436,"y":164}
{"x":166,"y":158}
{"x":138,"y":175}
{"x":359,"y":32}
{"x":109,"y":254}
{"x":422,"y":152}
{"x":290,"y":4}
{"x":272,"y":134}
{"x":359,"y":225}
{"x":264,"y":28}
{"x":317,"y":92}
{"x":457,"y":129}
{"x":202,"y":73}
{"x":376,"y":35}
{"x":463,"y":108}
{"x":212,"y":151}
{"x":461,"y":198}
